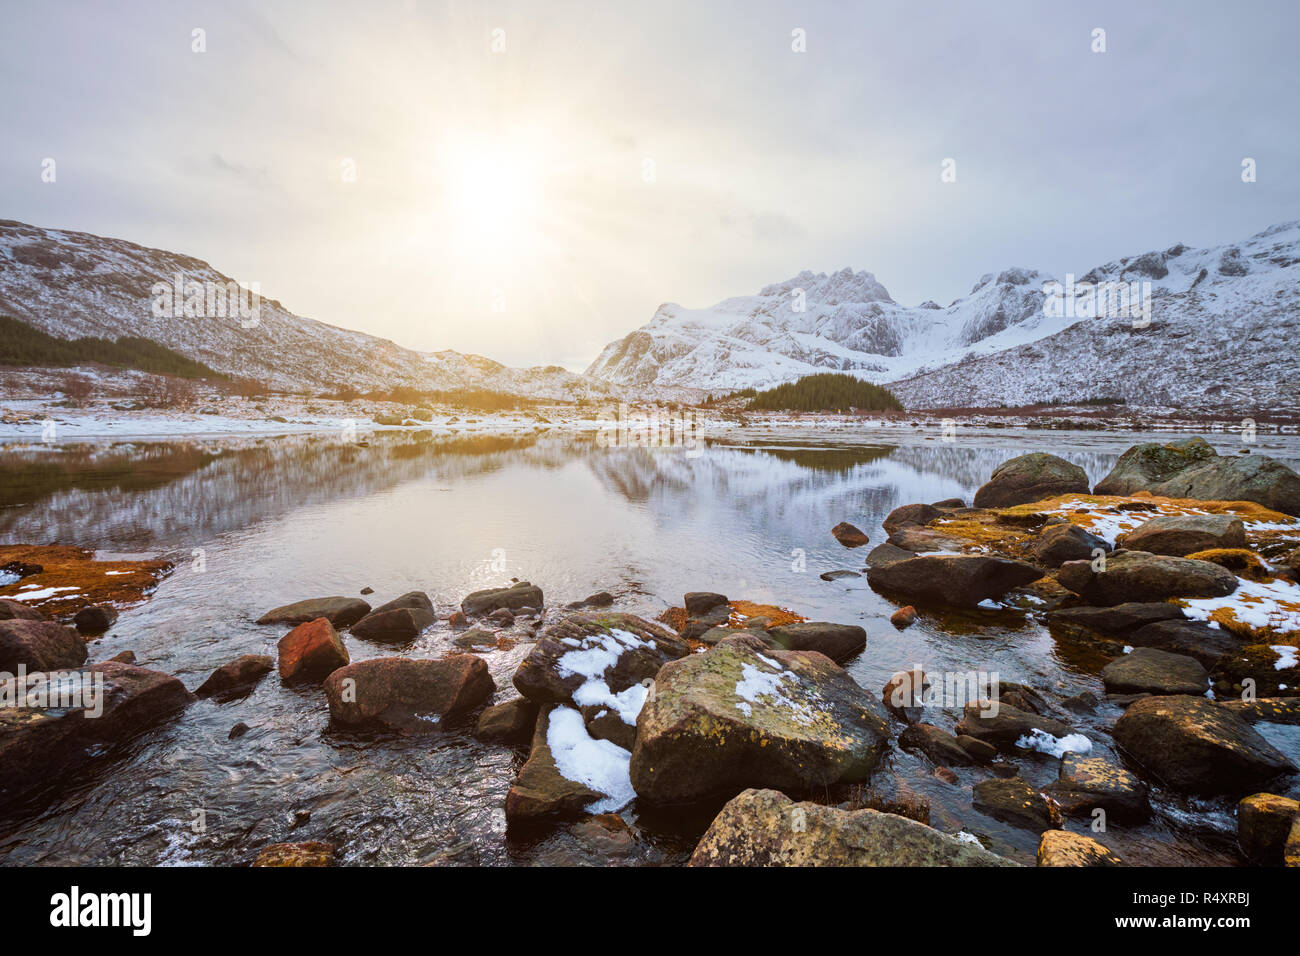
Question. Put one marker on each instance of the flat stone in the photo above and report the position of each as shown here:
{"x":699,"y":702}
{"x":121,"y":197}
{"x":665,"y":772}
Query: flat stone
{"x":1150,"y":671}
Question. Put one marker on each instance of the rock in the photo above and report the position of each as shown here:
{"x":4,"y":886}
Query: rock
{"x":339,"y":611}
{"x":1084,"y":783}
{"x":742,"y":714}
{"x":701,"y":602}
{"x":1273,"y":710}
{"x":475,"y":637}
{"x":599,"y":599}
{"x":1150,"y":671}
{"x":1002,"y":724}
{"x":311,"y":652}
{"x":1193,"y":745}
{"x":414,"y":600}
{"x":510,"y":723}
{"x":24,"y":569}
{"x":39,"y":646}
{"x":1181,"y":535}
{"x":407,"y":695}
{"x":502,"y":617}
{"x":836,"y":575}
{"x":1140,"y":576}
{"x":950,"y":503}
{"x":1264,"y":822}
{"x":1291,"y":851}
{"x":839,"y":642}
{"x":1192,"y":469}
{"x":1059,"y":543}
{"x":236,"y":678}
{"x":904,"y":694}
{"x":520,"y":594}
{"x":96,"y":619}
{"x":848,"y":535}
{"x":767,"y":828}
{"x":125,"y":657}
{"x":696,"y":626}
{"x":1031,"y":478}
{"x":593,"y":658}
{"x":1015,"y":802}
{"x":541,"y":791}
{"x":17,"y":610}
{"x":979,"y":750}
{"x":1289,"y":566}
{"x":399,"y":625}
{"x":367,"y":590}
{"x":903,"y":617}
{"x":946,"y":775}
{"x":606,"y":834}
{"x":964,"y":579}
{"x":458,"y":619}
{"x":715,"y":634}
{"x":1120,"y":619}
{"x":238,"y":731}
{"x":1063,"y":848}
{"x":40,"y":744}
{"x":883,"y":554}
{"x":939,"y":745}
{"x":919,"y":540}
{"x":605,"y":724}
{"x":1192,"y":638}
{"x":910,"y":515}
{"x":313,"y":853}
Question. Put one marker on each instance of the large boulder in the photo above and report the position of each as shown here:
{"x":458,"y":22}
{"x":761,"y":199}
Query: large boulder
{"x":742,"y":714}
{"x":839,"y":642}
{"x":413,"y":600}
{"x":1150,"y":671}
{"x":1181,"y":535}
{"x":1264,"y":822}
{"x":1028,"y":478}
{"x":1086,"y":783}
{"x":1192,"y":469}
{"x":398,"y":625}
{"x":339,"y":611}
{"x":38,"y":744}
{"x":1014,"y":801}
{"x":39,"y":646}
{"x":1119,"y":619}
{"x":1193,"y":745}
{"x":518,"y":595}
{"x":567,"y":773}
{"x":10,"y":610}
{"x":407,"y":695}
{"x":767,"y":828}
{"x":1059,"y":543}
{"x":903,"y":515}
{"x":236,"y":678}
{"x":311,"y":652}
{"x":1063,"y":848}
{"x":960,"y":579}
{"x":1195,"y":639}
{"x":1140,"y":576}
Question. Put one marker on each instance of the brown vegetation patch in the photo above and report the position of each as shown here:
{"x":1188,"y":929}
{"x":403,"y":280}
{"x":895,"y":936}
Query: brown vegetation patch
{"x":119,"y":583}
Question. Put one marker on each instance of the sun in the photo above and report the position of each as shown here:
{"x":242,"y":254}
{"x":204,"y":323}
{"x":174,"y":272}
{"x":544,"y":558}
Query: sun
{"x":492,"y":195}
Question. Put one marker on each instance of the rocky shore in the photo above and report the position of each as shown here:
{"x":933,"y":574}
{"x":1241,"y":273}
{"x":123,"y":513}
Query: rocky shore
{"x":1177,"y":575}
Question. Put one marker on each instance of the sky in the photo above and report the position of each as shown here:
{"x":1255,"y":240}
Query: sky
{"x":530,"y":181}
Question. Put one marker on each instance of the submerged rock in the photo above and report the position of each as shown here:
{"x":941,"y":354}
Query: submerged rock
{"x":743,"y":714}
{"x":1130,"y":576}
{"x":311,"y":652}
{"x":1063,"y":848}
{"x":1029,"y":478}
{"x":238,"y":677}
{"x":39,"y":646}
{"x":767,"y":828}
{"x":518,"y":595}
{"x":1181,"y":535}
{"x":965,"y":579}
{"x":339,"y":611}
{"x":407,"y":695}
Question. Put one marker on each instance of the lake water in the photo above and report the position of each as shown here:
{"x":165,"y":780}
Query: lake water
{"x":279,"y":519}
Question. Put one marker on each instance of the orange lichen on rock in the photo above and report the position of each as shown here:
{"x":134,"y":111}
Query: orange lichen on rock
{"x":743,"y":611}
{"x":71,"y":578}
{"x":1240,"y":561}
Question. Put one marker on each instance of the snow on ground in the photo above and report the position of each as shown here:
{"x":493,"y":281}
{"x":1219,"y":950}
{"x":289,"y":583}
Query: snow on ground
{"x":597,"y":764}
{"x":1260,"y":606}
{"x":1044,"y":742}
{"x":595,"y":655}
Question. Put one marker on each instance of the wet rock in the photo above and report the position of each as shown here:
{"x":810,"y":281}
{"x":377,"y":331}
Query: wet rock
{"x":1002,"y":725}
{"x":964,"y":580}
{"x":939,"y":745}
{"x":903,"y":617}
{"x":916,"y":514}
{"x":238,"y":731}
{"x":24,"y":569}
{"x":1030,"y":478}
{"x":1140,"y":576}
{"x":458,"y":619}
{"x":1059,"y":543}
{"x":1273,"y":710}
{"x":1193,"y":745}
{"x":848,"y":535}
{"x":40,"y":744}
{"x":502,"y":617}
{"x":1150,"y":671}
{"x":742,"y":714}
{"x":339,"y":611}
{"x":313,"y":853}
{"x":883,"y":554}
{"x":1181,"y":535}
{"x":518,"y":595}
{"x":1120,"y":619}
{"x":475,"y":637}
{"x":17,"y":610}
{"x":904,"y":694}
{"x":96,"y":619}
{"x":980,"y":751}
{"x":599,"y":599}
{"x":606,"y":834}
{"x":510,"y":723}
{"x":125,"y":657}
{"x":592,"y":658}
{"x":541,"y":791}
{"x":1192,"y":469}
{"x":1192,"y":638}
{"x":1085,"y":783}
{"x":39,"y":646}
{"x":399,"y":625}
{"x":311,"y":652}
{"x":605,"y":724}
{"x":236,"y":678}
{"x":413,"y":600}
{"x":407,"y":695}
{"x":946,"y":775}
{"x":701,"y":602}
{"x":767,"y":828}
{"x":836,"y":575}
{"x":1264,"y":822}
{"x":839,"y":642}
{"x":950,"y":503}
{"x":1015,"y":802}
{"x":696,"y":626}
{"x":1063,"y":848}
{"x":367,"y":590}
{"x":715,"y":634}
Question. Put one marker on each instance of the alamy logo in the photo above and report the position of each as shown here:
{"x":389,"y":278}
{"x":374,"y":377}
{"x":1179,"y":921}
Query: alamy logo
{"x":54,"y":690}
{"x":189,"y":298}
{"x":74,"y":908}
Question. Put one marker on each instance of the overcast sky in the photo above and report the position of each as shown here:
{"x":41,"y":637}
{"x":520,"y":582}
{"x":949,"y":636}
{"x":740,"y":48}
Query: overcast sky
{"x":533,"y":202}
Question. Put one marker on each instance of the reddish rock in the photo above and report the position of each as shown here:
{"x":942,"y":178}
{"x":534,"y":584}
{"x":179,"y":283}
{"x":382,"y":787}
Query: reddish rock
{"x":508,"y":723}
{"x":848,"y":535}
{"x":407,"y":694}
{"x":311,"y":652}
{"x":458,"y":619}
{"x":240,"y":675}
{"x":903,"y":617}
{"x":9,"y":610}
{"x":39,"y":646}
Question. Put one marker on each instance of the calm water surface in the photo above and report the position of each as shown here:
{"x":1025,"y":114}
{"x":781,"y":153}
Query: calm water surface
{"x":281,"y":519}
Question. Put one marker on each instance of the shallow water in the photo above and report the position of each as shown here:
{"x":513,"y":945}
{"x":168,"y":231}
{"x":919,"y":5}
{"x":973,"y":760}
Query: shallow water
{"x":254,"y":523}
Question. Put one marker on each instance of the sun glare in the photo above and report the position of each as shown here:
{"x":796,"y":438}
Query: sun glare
{"x":492,"y":195}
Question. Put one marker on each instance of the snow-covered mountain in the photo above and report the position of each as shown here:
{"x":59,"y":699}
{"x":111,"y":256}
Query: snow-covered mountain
{"x":71,"y":284}
{"x":1221,"y":335}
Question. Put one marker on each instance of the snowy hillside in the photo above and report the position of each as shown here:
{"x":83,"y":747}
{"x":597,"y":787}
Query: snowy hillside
{"x":1219,"y":318}
{"x":71,"y":284}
